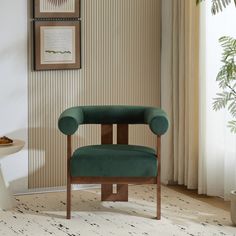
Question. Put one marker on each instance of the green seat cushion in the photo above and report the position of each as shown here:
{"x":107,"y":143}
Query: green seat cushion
{"x":114,"y":160}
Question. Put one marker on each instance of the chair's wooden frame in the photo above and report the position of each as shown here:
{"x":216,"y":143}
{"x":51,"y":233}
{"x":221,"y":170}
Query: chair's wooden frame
{"x":107,"y":182}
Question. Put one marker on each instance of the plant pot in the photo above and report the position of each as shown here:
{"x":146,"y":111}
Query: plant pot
{"x":233,"y":206}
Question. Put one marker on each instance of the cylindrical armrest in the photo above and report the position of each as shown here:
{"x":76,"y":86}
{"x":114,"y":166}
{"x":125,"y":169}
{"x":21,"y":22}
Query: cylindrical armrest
{"x":157,"y":120}
{"x":70,"y":120}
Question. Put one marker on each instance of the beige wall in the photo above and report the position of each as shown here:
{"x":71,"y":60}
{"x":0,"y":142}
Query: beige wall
{"x":120,"y":65}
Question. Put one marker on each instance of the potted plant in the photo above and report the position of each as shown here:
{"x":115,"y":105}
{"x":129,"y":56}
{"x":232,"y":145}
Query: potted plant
{"x":233,"y":206}
{"x":226,"y":79}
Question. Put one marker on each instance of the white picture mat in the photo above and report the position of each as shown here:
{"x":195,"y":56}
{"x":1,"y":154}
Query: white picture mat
{"x":57,"y":44}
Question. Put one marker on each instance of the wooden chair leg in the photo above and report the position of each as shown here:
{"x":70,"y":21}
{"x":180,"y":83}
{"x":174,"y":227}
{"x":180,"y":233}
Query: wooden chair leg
{"x":68,"y":192}
{"x":159,"y":178}
{"x":68,"y":201}
{"x":158,"y":201}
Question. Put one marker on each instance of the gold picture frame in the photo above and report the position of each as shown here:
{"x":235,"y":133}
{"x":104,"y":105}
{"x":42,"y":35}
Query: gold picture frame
{"x":56,"y":8}
{"x":57,"y":45}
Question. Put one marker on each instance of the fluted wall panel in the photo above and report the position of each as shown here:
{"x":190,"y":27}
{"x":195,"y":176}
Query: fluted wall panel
{"x":120,"y":65}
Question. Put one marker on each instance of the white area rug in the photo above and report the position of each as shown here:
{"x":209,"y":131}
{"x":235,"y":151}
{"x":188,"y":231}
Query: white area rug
{"x":44,"y":214}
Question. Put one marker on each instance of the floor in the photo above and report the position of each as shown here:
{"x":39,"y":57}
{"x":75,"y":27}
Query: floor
{"x":44,"y":214}
{"x":214,"y":201}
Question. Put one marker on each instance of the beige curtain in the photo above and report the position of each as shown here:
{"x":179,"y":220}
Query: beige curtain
{"x":179,"y":91}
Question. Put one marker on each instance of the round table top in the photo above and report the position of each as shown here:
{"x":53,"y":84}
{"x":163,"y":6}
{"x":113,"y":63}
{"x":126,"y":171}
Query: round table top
{"x":16,"y":146}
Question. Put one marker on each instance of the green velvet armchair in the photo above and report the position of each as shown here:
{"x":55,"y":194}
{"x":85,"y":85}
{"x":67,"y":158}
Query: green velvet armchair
{"x":109,"y":163}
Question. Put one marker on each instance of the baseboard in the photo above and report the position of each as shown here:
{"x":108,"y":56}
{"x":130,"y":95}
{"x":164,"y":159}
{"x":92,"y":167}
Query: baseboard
{"x":58,"y":189}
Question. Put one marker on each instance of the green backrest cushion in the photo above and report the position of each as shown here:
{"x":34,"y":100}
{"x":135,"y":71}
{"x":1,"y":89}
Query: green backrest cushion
{"x":71,"y":118}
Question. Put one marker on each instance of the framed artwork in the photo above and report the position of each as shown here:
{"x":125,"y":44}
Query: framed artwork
{"x":56,"y":45}
{"x":56,"y":8}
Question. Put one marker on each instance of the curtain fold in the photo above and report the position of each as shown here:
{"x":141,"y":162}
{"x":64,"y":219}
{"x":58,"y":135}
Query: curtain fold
{"x":180,"y":91}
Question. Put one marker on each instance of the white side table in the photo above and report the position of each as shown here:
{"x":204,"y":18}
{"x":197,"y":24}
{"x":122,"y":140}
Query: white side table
{"x":6,"y":198}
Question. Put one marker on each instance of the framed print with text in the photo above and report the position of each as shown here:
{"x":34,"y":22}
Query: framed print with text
{"x":56,"y":8}
{"x":57,"y":45}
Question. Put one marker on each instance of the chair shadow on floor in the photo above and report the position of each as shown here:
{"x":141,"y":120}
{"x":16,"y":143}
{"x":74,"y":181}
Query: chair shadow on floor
{"x":83,"y":201}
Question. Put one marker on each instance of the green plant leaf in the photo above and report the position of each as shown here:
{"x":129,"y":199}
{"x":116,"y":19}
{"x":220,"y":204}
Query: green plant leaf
{"x":232,"y":126}
{"x":218,"y":5}
{"x":226,"y":79}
